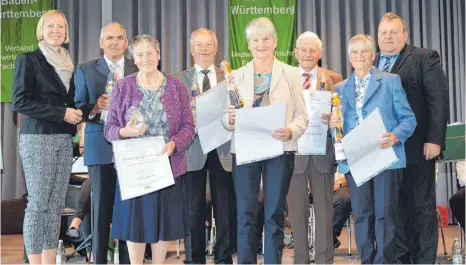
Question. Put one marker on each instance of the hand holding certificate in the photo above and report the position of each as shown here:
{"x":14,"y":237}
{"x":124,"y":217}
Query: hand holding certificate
{"x":210,"y":108}
{"x":362,"y":149}
{"x":253,"y":133}
{"x":142,"y":166}
{"x":314,"y":139}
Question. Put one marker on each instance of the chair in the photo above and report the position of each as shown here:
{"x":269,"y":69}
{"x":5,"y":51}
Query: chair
{"x":440,"y":221}
{"x":349,"y":228}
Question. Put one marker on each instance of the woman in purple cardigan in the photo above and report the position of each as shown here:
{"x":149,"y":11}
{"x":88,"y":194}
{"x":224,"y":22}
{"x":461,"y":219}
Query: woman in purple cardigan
{"x":163,"y":102}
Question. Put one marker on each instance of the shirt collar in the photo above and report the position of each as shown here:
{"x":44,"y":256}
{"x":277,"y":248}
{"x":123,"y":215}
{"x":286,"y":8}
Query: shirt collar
{"x":120,"y":62}
{"x":313,"y":72}
{"x":366,"y":77}
{"x":198,"y":68}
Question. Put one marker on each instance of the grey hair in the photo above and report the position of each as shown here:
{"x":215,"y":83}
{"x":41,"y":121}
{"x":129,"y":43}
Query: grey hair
{"x":262,"y":26}
{"x":109,"y":24}
{"x":310,"y":35}
{"x":145,"y":38}
{"x":367,"y":40}
{"x":203,"y":30}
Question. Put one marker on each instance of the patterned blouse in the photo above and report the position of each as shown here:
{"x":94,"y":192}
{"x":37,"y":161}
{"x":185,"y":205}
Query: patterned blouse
{"x":360,"y":91}
{"x":261,"y":89}
{"x":154,"y":114}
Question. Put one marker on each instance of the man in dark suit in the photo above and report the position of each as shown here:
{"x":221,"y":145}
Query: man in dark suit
{"x":426,"y":87}
{"x":90,"y":80}
{"x":202,"y":77}
{"x":319,"y":169}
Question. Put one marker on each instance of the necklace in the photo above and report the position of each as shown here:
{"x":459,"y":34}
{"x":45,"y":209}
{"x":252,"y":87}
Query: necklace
{"x":155,"y":85}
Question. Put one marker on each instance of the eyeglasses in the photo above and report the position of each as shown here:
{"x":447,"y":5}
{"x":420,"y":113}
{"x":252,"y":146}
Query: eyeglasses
{"x":392,"y":32}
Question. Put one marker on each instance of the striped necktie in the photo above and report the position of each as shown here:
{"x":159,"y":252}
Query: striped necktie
{"x":388,"y":63}
{"x":307,"y":81}
{"x":205,"y":81}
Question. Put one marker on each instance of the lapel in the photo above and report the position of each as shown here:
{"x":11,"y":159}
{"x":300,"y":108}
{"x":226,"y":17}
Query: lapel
{"x":129,"y":67}
{"x":102,"y":67}
{"x":348,"y":92}
{"x":189,"y":74}
{"x":245,"y":83}
{"x":220,"y":74}
{"x":277,"y":71}
{"x":404,"y":54}
{"x":49,"y":70}
{"x":374,"y":83}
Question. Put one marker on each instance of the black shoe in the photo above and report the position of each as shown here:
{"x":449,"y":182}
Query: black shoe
{"x":336,"y":243}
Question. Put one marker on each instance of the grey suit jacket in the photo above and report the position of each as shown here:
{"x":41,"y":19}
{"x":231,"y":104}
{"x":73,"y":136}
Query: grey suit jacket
{"x":324,"y":163}
{"x":195,"y":158}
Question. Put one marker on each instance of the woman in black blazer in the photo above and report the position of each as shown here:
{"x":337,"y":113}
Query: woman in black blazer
{"x":43,"y":92}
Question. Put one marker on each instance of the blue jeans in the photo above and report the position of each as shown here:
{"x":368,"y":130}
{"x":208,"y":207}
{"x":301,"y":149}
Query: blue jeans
{"x":374,"y":205}
{"x":276,"y":174}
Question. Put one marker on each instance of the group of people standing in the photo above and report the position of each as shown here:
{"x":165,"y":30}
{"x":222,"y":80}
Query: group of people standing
{"x":394,"y":212}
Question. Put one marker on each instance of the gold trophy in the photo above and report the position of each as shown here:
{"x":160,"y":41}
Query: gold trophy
{"x":235,"y":97}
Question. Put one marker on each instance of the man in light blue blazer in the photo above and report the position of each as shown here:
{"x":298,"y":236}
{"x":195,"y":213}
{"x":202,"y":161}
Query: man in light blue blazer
{"x":375,"y":202}
{"x":90,"y":79}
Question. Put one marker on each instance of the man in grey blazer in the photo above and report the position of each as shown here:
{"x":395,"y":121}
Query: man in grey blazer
{"x":198,"y":79}
{"x":319,"y":169}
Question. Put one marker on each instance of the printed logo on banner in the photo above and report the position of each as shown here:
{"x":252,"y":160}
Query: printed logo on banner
{"x":281,"y":13}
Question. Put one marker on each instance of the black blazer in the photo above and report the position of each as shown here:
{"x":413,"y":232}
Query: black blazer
{"x":426,"y":87}
{"x":40,"y":95}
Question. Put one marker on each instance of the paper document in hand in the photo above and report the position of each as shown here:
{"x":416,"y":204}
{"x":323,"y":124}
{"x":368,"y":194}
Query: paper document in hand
{"x":362,"y":149}
{"x":253,"y":133}
{"x":314,"y":139}
{"x":141,"y":166}
{"x":210,"y":107}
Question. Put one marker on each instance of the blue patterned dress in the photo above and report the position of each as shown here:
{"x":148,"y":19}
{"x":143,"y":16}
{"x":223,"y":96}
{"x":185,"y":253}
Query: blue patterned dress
{"x":160,"y":215}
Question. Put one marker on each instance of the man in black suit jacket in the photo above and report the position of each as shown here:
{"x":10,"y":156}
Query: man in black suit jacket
{"x":426,"y":87}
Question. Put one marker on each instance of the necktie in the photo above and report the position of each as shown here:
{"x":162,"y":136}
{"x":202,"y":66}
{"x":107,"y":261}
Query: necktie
{"x":115,"y":68}
{"x":205,"y":81}
{"x":307,"y":81}
{"x":388,"y":62}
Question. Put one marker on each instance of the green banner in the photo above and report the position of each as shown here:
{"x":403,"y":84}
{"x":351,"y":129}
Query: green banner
{"x":283,"y":15}
{"x":18,"y":22}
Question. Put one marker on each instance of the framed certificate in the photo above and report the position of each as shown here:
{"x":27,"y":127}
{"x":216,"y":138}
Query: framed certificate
{"x":141,"y":166}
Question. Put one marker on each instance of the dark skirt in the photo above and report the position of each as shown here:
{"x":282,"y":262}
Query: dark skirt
{"x":160,"y":215}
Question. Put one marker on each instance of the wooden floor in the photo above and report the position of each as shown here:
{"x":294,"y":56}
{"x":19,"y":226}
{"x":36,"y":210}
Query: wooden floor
{"x":12,"y":250}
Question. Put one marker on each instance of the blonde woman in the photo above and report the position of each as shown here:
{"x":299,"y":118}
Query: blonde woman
{"x":43,"y":91}
{"x":266,"y":81}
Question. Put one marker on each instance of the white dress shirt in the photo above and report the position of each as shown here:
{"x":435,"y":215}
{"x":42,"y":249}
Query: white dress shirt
{"x":313,"y":78}
{"x":121,"y":66}
{"x":200,"y":76}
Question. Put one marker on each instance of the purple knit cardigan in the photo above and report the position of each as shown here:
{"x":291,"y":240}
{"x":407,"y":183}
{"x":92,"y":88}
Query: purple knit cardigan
{"x":175,"y":100}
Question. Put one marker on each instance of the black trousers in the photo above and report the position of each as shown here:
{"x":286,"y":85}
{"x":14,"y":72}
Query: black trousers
{"x":457,"y":204}
{"x":224,"y":205}
{"x":416,"y":223}
{"x":103,"y":181}
{"x":341,"y":210}
{"x":83,"y":200}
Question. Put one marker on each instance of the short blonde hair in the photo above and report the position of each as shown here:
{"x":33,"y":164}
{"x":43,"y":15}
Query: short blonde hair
{"x":261,"y":26}
{"x":145,"y":38}
{"x":44,"y":18}
{"x":203,"y":30}
{"x":367,"y":40}
{"x":390,"y":16}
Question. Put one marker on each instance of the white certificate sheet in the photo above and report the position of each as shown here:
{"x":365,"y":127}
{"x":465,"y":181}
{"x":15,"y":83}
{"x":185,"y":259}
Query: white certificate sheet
{"x":362,"y":149}
{"x":141,"y":166}
{"x":210,"y":107}
{"x":314,"y":139}
{"x":253,"y":133}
